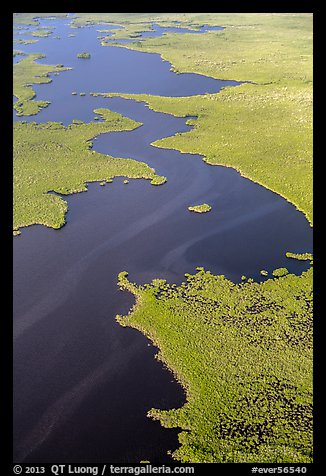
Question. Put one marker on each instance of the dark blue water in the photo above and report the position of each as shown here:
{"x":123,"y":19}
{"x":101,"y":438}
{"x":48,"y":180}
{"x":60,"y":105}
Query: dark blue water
{"x":82,"y":383}
{"x":110,"y":69}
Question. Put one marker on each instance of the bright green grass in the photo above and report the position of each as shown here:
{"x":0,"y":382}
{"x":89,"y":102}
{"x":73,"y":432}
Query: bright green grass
{"x":52,"y":157}
{"x":28,"y":72}
{"x":243,"y":353}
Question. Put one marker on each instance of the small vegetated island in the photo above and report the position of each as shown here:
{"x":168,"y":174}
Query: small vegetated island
{"x":203,"y":208}
{"x":242,"y":352}
{"x":84,"y":55}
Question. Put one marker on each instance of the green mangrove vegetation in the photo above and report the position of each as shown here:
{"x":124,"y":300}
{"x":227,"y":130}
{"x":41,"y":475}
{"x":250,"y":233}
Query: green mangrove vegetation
{"x":26,"y":73}
{"x":20,"y":41}
{"x":279,"y":272}
{"x":18,"y":53}
{"x":243,"y":354}
{"x":262,"y":128}
{"x":300,"y":256}
{"x":203,"y":208}
{"x":84,"y":55}
{"x":32,"y":18}
{"x":42,"y":33}
{"x":158,"y":180}
{"x":50,"y":157}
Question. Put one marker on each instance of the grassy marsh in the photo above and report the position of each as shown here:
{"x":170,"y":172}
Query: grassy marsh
{"x":264,"y":130}
{"x":51,"y":157}
{"x":26,"y":73}
{"x":300,"y":256}
{"x":32,"y":18}
{"x":42,"y":33}
{"x":243,"y":353}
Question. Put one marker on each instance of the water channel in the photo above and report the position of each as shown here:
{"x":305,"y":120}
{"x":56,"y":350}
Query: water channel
{"x":82,"y":383}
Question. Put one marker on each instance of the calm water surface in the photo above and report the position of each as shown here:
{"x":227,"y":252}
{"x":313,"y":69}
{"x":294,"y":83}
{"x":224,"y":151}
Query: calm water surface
{"x":82,"y":383}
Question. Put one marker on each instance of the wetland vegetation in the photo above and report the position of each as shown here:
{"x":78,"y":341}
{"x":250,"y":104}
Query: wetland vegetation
{"x":300,"y":256}
{"x":84,"y":55}
{"x":264,"y":127}
{"x":50,"y":157}
{"x":243,"y":355}
{"x":203,"y":208}
{"x":242,"y":352}
{"x":26,"y":73}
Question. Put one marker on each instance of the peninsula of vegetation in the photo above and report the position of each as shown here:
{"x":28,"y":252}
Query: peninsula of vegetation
{"x":26,"y":73}
{"x":53,"y":158}
{"x":300,"y":256}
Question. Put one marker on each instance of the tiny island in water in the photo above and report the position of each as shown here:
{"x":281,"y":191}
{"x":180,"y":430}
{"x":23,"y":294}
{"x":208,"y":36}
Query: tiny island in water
{"x":143,"y":332}
{"x":203,"y":208}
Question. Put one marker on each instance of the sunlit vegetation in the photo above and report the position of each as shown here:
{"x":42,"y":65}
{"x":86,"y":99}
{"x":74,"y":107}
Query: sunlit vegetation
{"x":279,"y":272}
{"x":31,"y":18}
{"x":50,"y":157}
{"x":299,"y":256}
{"x":84,"y":55}
{"x":26,"y":73}
{"x":41,"y":33}
{"x":243,"y":353}
{"x":203,"y":208}
{"x":158,"y":180}
{"x":20,"y":41}
{"x":129,"y":31}
{"x":18,"y":53}
{"x":264,"y":129}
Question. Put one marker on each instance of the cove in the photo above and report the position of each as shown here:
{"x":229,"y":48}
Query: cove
{"x":82,"y":383}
